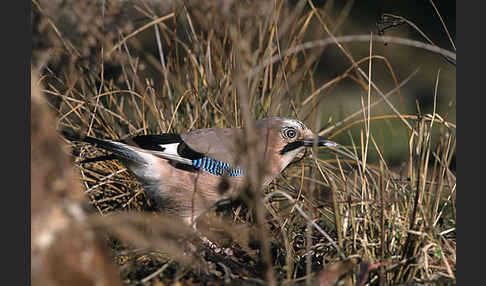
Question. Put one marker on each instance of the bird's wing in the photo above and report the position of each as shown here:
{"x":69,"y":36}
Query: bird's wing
{"x":217,"y":143}
{"x":167,"y":146}
{"x":220,"y":144}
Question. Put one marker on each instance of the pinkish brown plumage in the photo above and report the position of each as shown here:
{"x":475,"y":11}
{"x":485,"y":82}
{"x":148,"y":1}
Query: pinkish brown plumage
{"x":187,"y":174}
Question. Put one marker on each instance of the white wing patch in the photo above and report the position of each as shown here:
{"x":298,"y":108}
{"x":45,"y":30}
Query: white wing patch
{"x":170,"y":153}
{"x":170,"y":148}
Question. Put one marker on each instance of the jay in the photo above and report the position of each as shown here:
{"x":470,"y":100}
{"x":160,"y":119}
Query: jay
{"x":187,"y":174}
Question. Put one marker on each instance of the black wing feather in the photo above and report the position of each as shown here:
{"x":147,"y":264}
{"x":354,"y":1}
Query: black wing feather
{"x":156,"y":142}
{"x":153,"y":142}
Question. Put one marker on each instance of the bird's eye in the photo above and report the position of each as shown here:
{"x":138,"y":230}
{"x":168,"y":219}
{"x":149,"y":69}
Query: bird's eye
{"x":289,"y":132}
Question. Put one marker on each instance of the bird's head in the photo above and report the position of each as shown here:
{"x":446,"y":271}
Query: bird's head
{"x":285,"y":138}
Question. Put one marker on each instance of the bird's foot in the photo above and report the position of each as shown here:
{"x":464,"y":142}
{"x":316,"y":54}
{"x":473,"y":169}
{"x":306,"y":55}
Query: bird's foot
{"x":219,"y":250}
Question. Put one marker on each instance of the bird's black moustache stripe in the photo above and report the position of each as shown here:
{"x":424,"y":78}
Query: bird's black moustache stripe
{"x":291,"y":146}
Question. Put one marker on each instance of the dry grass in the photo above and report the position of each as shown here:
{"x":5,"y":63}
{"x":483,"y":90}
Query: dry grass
{"x":139,"y":68}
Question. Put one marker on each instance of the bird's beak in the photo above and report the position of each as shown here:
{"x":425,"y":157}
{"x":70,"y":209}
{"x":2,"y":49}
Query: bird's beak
{"x":321,"y":141}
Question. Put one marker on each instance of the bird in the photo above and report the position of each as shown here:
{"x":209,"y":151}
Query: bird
{"x":187,"y":174}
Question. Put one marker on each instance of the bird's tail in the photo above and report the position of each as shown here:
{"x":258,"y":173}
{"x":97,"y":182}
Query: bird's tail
{"x":119,"y":150}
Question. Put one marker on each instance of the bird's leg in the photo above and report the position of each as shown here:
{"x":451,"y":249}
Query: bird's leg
{"x":226,"y":250}
{"x":211,"y":245}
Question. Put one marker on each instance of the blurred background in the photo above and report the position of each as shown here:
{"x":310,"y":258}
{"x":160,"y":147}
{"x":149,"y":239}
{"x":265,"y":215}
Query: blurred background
{"x":112,"y":69}
{"x":83,"y":28}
